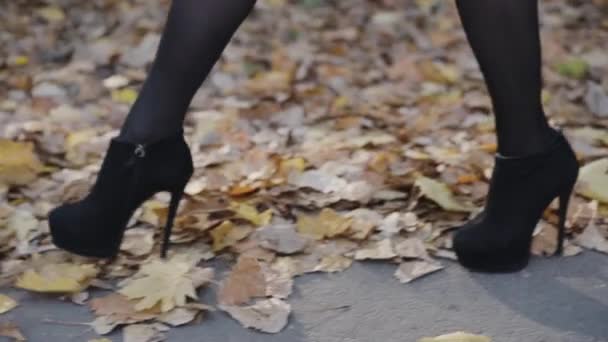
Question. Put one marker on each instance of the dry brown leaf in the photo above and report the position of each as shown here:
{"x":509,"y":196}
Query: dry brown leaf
{"x":245,"y":281}
{"x":7,"y":303}
{"x":440,"y":194}
{"x":268,"y":315}
{"x":227,"y":234}
{"x":251,"y":214}
{"x":19,"y":164}
{"x":281,"y":237}
{"x":412,"y":248}
{"x":11,"y":330}
{"x":178,"y":316}
{"x":118,"y":308}
{"x":327,"y":224}
{"x":457,"y":337}
{"x":409,"y":271}
{"x":168,"y":283}
{"x":138,"y":241}
{"x":377,"y":250}
{"x":333,"y":263}
{"x":142,"y":333}
{"x":58,"y":278}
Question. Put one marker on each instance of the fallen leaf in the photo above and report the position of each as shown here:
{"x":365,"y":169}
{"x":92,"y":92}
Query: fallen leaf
{"x":251,"y":214}
{"x":58,"y":278}
{"x":118,"y":308}
{"x":377,"y":250}
{"x":19,"y":164}
{"x":245,"y":281}
{"x":227,"y":234}
{"x":409,"y":271}
{"x":440,"y":194}
{"x":268,"y":315}
{"x":574,"y":68}
{"x":10,"y":330}
{"x":592,"y":238}
{"x":327,"y":224}
{"x":333,"y":263}
{"x":593,"y":180}
{"x":178,"y":316}
{"x":168,"y":283}
{"x":457,"y":337}
{"x":412,"y":248}
{"x":6,"y":303}
{"x":281,"y":237}
{"x":142,"y":333}
{"x":138,"y":241}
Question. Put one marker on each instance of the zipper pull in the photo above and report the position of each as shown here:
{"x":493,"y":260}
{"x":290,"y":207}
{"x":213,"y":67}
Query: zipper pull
{"x":140,"y":151}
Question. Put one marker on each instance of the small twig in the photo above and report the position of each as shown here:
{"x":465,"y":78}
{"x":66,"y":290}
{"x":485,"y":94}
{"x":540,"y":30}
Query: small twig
{"x":52,"y":321}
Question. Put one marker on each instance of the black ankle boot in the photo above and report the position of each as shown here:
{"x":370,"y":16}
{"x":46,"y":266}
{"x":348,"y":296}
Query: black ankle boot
{"x":499,"y":239}
{"x":129,"y":175}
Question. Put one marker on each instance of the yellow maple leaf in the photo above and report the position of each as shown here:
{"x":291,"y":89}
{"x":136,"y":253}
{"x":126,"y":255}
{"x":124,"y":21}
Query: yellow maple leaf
{"x":58,"y":278}
{"x":327,"y":224}
{"x":166,"y":282}
{"x":227,"y":234}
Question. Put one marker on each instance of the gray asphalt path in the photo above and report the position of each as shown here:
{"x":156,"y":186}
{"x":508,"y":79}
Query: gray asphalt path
{"x":554,"y":300}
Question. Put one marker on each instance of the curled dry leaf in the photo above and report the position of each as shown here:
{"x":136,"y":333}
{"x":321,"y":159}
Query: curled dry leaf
{"x":440,"y":194}
{"x":58,"y":278}
{"x":245,"y":281}
{"x":592,"y":237}
{"x":409,"y":271}
{"x":377,"y":250}
{"x":457,"y":337}
{"x":412,"y":248}
{"x":168,"y":283}
{"x":6,"y":303}
{"x":268,"y":315}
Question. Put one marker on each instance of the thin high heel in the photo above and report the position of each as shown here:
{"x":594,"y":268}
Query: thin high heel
{"x":564,"y":200}
{"x":176,"y":196}
{"x":130,"y":174}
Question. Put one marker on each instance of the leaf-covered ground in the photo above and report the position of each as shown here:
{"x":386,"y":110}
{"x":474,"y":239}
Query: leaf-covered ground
{"x":329,"y":133}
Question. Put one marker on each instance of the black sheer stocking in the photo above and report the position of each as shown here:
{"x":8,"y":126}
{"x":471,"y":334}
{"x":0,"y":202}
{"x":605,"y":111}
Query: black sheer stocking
{"x":504,"y":35}
{"x":196,"y":33}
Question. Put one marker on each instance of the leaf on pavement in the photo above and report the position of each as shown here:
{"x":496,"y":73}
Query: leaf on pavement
{"x":409,"y":271}
{"x":376,"y":250}
{"x":168,"y":283}
{"x":457,"y":337}
{"x":268,"y":315}
{"x":440,"y":194}
{"x":281,"y":237}
{"x":227,"y":234}
{"x":19,"y":164}
{"x":327,"y":224}
{"x":251,"y":214}
{"x":7,"y":303}
{"x":593,"y":180}
{"x":333,"y":263}
{"x":11,"y":330}
{"x":245,"y":281}
{"x":142,"y":333}
{"x":58,"y":278}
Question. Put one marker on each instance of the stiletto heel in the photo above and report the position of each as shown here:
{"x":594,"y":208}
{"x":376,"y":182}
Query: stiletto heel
{"x":521,"y":188}
{"x":129,"y":175}
{"x":176,"y":197}
{"x":564,"y":199}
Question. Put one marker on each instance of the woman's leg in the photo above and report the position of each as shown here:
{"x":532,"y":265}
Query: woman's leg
{"x":535,"y":164}
{"x":196,"y":33}
{"x":504,"y":35}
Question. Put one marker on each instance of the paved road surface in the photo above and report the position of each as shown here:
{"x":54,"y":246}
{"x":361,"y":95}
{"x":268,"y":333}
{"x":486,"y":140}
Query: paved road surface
{"x":554,"y":300}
